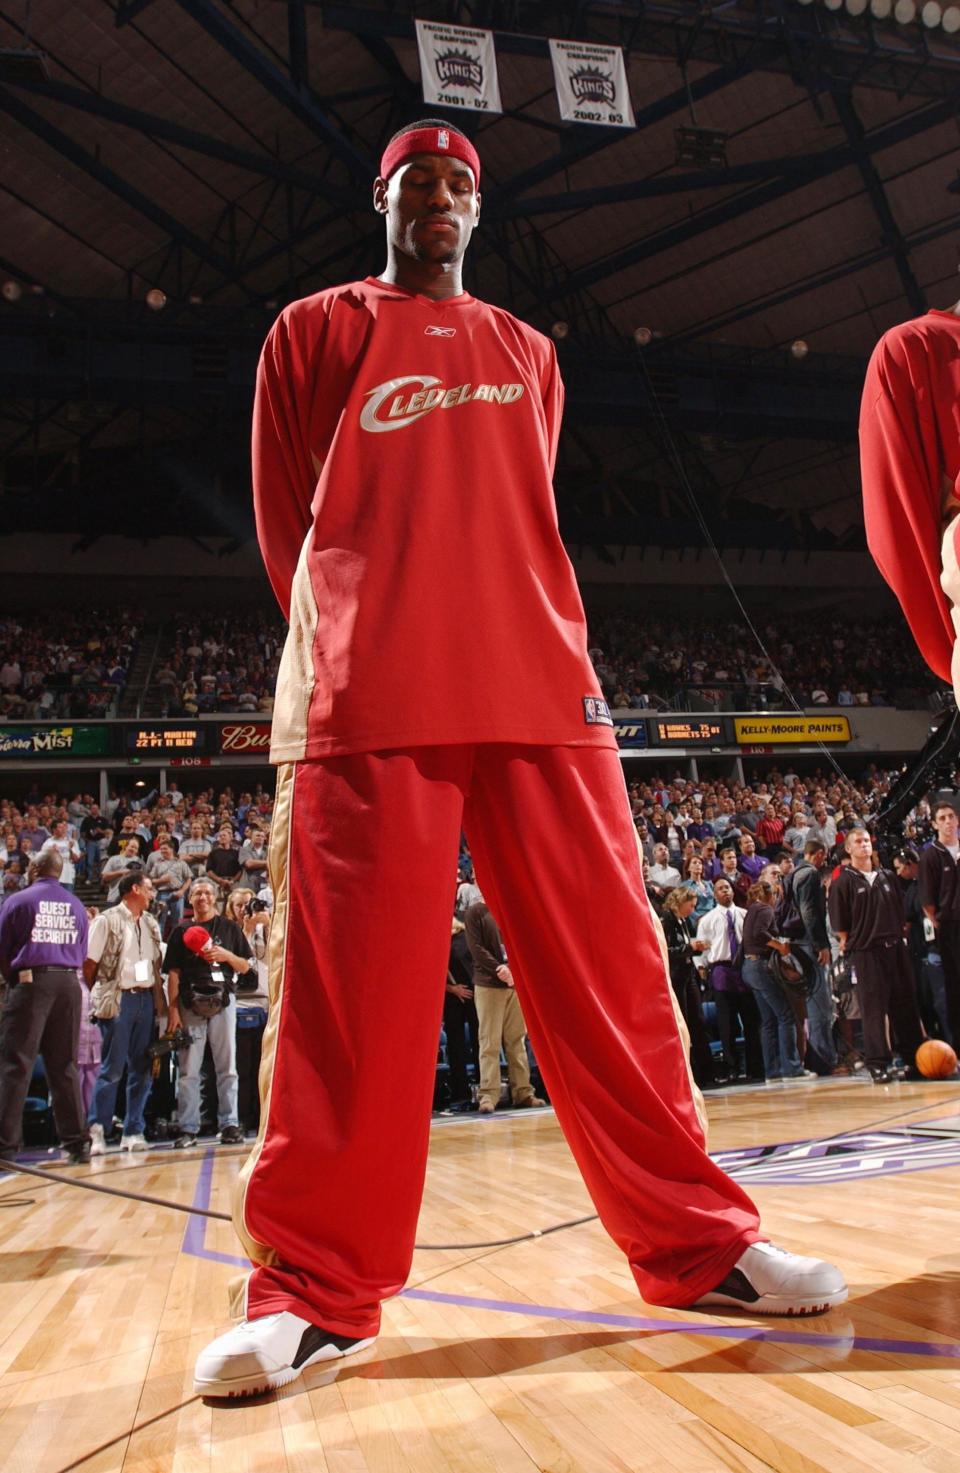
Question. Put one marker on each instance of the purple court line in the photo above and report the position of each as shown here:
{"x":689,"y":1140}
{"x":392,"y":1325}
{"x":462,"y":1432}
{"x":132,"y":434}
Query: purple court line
{"x":194,"y":1244}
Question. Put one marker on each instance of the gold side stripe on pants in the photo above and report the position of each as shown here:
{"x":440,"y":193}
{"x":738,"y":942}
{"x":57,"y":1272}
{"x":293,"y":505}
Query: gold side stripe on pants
{"x":279,"y":871}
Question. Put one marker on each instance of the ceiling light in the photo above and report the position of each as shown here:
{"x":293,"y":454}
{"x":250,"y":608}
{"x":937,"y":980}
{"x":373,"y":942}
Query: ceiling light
{"x":799,"y":348}
{"x":951,"y":20}
{"x":856,"y":7}
{"x":931,"y":14}
{"x":12,"y":291}
{"x":643,"y":336}
{"x":833,"y":4}
{"x":881,"y":9}
{"x":560,"y":329}
{"x":156,"y":299}
{"x":905,"y":11}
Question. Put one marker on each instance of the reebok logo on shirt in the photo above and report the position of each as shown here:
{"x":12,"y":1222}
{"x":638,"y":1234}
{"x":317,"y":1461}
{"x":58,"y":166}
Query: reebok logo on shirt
{"x":433,"y":331}
{"x":389,"y":409}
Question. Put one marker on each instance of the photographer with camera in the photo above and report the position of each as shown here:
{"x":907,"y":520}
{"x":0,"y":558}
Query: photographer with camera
{"x":202,"y":963}
{"x":252,"y":915}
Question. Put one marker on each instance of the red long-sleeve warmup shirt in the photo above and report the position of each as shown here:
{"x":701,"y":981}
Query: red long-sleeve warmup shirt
{"x":403,"y":450}
{"x":910,"y":459}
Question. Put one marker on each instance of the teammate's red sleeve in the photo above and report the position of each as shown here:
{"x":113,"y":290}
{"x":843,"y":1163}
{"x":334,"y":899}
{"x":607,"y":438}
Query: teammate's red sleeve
{"x":901,"y":472}
{"x":284,"y":477}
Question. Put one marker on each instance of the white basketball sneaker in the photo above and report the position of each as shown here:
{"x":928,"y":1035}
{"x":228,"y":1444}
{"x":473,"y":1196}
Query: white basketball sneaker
{"x":262,"y":1354}
{"x":133,"y":1143}
{"x":98,"y":1146}
{"x":769,"y":1280}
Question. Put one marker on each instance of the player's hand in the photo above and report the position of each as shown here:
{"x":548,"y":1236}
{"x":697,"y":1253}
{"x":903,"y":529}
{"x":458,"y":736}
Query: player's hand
{"x":505,"y":975}
{"x":460,"y":990}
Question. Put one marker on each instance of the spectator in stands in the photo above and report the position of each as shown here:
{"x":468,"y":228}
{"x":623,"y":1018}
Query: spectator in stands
{"x":460,"y":1022}
{"x":664,"y":876}
{"x":33,"y":835}
{"x":93,"y":831}
{"x":202,"y":988}
{"x":500,"y":1018}
{"x":699,"y":888}
{"x":223,"y":862}
{"x":468,"y":891}
{"x":940,"y":899}
{"x":195,"y":849}
{"x":117,"y":865}
{"x":719,"y":934}
{"x":253,"y":999}
{"x":68,"y":850}
{"x":40,"y":956}
{"x":676,"y":913}
{"x":778,"y":1032}
{"x":770,"y":830}
{"x":810,"y":900}
{"x":867,"y":915}
{"x":123,"y":969}
{"x":171,"y":878}
{"x":127,"y":830}
{"x":823,"y":826}
{"x":730,"y":871}
{"x":749,"y":862}
{"x":253,"y":857}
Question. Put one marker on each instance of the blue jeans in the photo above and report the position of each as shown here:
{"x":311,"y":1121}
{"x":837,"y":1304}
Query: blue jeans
{"x":125,"y":1040}
{"x":91,"y":859}
{"x":174,"y":905}
{"x":221,"y":1030}
{"x":820,"y":1011}
{"x":778,"y":1029}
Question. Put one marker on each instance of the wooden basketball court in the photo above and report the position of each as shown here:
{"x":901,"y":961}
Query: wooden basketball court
{"x":534,"y":1356}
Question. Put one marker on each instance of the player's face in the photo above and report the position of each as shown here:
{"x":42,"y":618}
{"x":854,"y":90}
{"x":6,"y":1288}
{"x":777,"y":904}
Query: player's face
{"x":432,"y":206}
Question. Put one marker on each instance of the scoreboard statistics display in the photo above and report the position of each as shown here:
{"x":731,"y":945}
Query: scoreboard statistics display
{"x":167,"y":741}
{"x":674,"y":731}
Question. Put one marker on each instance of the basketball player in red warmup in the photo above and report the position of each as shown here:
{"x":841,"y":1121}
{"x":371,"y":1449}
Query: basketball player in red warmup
{"x":436,"y":677}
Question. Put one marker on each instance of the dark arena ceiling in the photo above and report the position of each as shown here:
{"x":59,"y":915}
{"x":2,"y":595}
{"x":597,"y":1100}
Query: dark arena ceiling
{"x":222,"y":154}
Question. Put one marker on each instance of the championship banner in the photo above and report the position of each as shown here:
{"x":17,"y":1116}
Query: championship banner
{"x":773,"y":730}
{"x":458,"y":67}
{"x":591,"y":84}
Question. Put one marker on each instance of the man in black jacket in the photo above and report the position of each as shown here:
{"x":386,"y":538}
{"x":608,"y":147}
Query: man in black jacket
{"x":806,"y":884}
{"x":866,"y":912}
{"x":940,"y":898}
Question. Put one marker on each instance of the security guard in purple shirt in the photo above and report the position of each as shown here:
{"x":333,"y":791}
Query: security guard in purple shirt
{"x":43,"y":943}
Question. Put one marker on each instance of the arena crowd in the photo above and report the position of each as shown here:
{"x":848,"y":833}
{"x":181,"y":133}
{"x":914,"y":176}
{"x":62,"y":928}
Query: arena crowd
{"x":52,"y":668}
{"x":642,"y":660}
{"x":716,"y":856}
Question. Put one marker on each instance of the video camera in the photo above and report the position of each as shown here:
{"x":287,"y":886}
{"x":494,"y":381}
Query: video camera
{"x":164,"y":1045}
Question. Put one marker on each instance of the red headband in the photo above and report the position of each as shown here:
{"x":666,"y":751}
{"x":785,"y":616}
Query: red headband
{"x":446,"y":141}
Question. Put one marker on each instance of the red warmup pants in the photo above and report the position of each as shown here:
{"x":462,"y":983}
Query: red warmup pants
{"x":363,"y":863}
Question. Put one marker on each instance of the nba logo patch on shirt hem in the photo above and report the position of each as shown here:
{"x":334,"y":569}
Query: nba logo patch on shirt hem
{"x":596,"y":712}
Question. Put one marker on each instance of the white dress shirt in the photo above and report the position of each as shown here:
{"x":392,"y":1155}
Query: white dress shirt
{"x":713,"y":929}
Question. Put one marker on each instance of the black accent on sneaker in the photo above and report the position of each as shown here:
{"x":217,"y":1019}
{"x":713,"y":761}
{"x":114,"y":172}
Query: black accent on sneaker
{"x":231,"y":1135}
{"x":737,"y":1286}
{"x":80,"y":1155}
{"x":183,"y":1141}
{"x":313,"y":1338}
